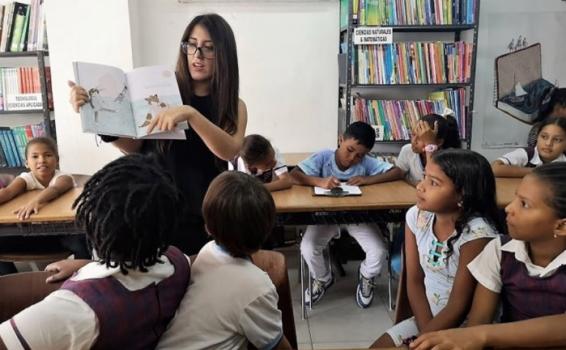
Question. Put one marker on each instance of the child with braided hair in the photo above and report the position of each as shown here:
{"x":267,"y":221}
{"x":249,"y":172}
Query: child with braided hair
{"x":126,"y":297}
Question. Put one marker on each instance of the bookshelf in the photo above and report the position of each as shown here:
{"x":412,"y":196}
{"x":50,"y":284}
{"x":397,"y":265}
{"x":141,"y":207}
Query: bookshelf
{"x":393,"y":84}
{"x":25,"y":92}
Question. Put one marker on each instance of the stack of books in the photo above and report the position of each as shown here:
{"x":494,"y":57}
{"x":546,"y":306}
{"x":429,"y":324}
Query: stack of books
{"x":413,"y":12}
{"x":23,"y":27}
{"x":20,"y":89}
{"x":393,"y":118}
{"x":414,"y":63}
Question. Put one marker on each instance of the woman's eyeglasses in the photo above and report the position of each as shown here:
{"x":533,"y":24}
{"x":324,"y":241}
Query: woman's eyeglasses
{"x":189,"y":48}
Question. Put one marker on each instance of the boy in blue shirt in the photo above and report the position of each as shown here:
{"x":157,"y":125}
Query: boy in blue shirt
{"x":351,"y":163}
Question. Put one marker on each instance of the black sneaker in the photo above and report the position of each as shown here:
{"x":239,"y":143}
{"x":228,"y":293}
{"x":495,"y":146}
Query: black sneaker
{"x":318,"y":289}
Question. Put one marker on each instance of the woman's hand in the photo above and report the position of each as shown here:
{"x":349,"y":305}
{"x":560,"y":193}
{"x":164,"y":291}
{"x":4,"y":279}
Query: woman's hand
{"x":77,"y":96}
{"x":450,"y":339}
{"x":169,"y":117}
{"x":63,"y":269}
{"x":24,"y":212}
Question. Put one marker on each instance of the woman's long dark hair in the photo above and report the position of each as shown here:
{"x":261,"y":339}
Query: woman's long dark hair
{"x":474,"y":180}
{"x":225,"y":81}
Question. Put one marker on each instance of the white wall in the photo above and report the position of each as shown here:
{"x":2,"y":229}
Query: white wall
{"x":287,"y":55}
{"x":540,"y":21}
{"x":93,"y":31}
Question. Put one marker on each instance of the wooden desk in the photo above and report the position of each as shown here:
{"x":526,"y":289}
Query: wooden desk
{"x":388,"y":195}
{"x":292,"y":159}
{"x":55,"y":218}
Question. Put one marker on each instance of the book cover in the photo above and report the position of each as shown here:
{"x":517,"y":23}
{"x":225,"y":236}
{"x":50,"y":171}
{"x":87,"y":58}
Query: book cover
{"x":340,"y":191}
{"x":123,"y":104}
{"x":18,"y":24}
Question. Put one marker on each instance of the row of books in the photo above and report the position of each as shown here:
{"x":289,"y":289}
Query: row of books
{"x":414,"y":63}
{"x":393,"y":118}
{"x":20,"y":88}
{"x":13,"y":143}
{"x":410,"y":12}
{"x":23,"y":27}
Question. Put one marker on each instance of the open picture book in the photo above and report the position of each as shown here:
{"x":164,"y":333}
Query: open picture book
{"x":340,"y":191}
{"x":123,"y":104}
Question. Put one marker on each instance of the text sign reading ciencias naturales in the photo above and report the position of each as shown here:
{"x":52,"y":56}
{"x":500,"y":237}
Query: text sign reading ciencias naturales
{"x":373,"y":35}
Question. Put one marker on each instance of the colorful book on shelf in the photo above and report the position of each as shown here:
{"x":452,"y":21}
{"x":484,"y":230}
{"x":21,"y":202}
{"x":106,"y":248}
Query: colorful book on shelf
{"x":398,"y":116}
{"x":123,"y":104}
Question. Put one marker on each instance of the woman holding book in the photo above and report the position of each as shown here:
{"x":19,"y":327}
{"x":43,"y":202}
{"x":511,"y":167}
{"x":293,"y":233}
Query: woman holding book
{"x":207,"y":74}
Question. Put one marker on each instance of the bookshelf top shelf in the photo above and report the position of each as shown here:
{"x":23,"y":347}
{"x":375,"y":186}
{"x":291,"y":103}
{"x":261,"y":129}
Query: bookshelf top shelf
{"x":421,"y":28}
{"x":24,"y":54}
{"x":446,"y":85}
{"x":25,"y":111}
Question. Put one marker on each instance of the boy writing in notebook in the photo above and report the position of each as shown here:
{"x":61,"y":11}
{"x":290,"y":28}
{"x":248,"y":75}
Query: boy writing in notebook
{"x":326,"y":169}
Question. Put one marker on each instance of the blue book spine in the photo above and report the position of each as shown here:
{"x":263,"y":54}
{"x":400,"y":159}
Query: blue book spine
{"x":7,"y":149}
{"x":12,"y":141}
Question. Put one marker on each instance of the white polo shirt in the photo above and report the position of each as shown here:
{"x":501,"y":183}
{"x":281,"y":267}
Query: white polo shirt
{"x":32,"y":183}
{"x":519,"y":157}
{"x":63,"y":320}
{"x":229,"y":302}
{"x":486,"y":267}
{"x":279,"y":169}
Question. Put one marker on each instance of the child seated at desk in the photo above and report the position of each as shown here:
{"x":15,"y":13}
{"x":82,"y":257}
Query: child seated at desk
{"x":230,"y":302}
{"x":259,"y":158}
{"x":550,"y":147}
{"x":126,"y":298}
{"x":351,"y":163}
{"x":432,"y":132}
{"x":43,"y":160}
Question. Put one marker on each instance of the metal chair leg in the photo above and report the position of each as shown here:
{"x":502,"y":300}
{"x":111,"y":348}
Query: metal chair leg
{"x":302,"y":279}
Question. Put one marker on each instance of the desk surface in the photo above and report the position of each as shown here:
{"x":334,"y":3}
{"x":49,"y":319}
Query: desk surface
{"x":58,"y":210}
{"x":389,"y":195}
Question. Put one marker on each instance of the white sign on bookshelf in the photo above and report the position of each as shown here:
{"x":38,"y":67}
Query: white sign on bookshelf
{"x":22,"y":102}
{"x":373,"y":35}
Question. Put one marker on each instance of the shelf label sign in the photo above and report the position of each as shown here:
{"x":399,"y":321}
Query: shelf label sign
{"x":22,"y":102}
{"x":373,"y":35}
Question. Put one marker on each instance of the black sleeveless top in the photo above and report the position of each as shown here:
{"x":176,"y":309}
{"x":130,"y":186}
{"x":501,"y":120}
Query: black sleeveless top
{"x":192,"y":165}
{"x":190,"y":162}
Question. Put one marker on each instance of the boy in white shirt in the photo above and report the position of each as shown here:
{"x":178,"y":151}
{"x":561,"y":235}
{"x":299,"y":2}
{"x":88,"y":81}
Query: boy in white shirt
{"x":230,"y":301}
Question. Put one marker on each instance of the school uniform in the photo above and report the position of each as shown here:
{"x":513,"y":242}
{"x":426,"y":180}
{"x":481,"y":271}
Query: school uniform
{"x":411,"y":164}
{"x":316,"y":237}
{"x":527,"y":290}
{"x":439,"y":269}
{"x":266,"y":177}
{"x":520,"y":157}
{"x":229,"y":303}
{"x":101,"y":308}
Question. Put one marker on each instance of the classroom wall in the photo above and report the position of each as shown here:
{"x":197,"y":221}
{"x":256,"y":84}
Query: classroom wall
{"x":287,"y":56}
{"x":288,"y":66}
{"x":500,"y":21}
{"x":93,"y":31}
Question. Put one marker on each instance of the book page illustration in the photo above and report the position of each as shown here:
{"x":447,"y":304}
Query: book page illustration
{"x":108,"y":110}
{"x":151,"y":90}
